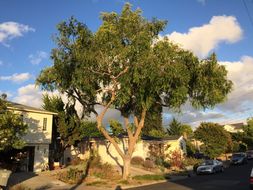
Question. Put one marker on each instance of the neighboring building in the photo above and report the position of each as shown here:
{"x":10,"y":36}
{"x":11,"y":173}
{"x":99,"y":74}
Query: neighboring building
{"x":234,"y":128}
{"x":35,"y":156}
{"x":108,"y":153}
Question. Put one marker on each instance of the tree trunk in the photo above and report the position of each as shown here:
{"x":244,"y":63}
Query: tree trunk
{"x":126,"y":167}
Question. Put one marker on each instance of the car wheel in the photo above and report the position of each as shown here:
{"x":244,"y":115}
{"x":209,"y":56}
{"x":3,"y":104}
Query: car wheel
{"x":222,"y":169}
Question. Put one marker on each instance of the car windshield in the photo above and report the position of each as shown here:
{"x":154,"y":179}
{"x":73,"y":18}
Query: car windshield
{"x":207,"y":162}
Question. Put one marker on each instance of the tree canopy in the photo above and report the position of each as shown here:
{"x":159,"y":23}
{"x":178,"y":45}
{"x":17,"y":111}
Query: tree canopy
{"x":12,"y":128}
{"x":216,"y":140}
{"x":69,"y":126}
{"x":124,"y":65}
{"x":177,"y":128}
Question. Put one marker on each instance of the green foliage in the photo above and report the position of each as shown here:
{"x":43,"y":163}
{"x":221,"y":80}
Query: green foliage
{"x":71,"y":176}
{"x":125,"y":66}
{"x":248,"y":129}
{"x":153,"y":122}
{"x":125,"y":42}
{"x":157,"y":133}
{"x":12,"y":128}
{"x":116,"y":128}
{"x":69,"y":125}
{"x":186,"y":129}
{"x":191,"y":161}
{"x":190,"y":149}
{"x":245,"y":137}
{"x":239,"y":147}
{"x":216,"y":140}
{"x":176,"y":128}
{"x":150,"y":177}
{"x":88,"y":129}
{"x":53,"y":103}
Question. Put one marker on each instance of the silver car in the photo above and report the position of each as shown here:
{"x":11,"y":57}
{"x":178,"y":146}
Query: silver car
{"x":210,"y":166}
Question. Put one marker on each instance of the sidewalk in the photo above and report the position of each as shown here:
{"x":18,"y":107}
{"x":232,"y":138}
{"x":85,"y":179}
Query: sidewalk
{"x":45,"y":182}
{"x":36,"y":181}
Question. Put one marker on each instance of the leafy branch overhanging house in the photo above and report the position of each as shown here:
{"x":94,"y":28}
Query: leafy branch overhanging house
{"x":108,"y":153}
{"x":38,"y":138}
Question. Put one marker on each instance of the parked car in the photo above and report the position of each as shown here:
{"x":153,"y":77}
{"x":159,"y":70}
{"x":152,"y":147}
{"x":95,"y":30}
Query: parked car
{"x":249,"y":154}
{"x":239,"y":158}
{"x":251,"y":179}
{"x":210,"y":166}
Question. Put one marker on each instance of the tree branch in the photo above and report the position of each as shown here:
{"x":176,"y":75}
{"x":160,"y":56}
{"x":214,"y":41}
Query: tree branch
{"x":103,"y":130}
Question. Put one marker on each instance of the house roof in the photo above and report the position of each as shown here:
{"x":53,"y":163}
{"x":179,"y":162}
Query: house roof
{"x":163,"y":139}
{"x":145,"y":138}
{"x":21,"y":107}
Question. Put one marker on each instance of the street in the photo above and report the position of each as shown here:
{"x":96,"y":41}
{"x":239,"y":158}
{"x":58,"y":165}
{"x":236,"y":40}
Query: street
{"x":233,"y":178}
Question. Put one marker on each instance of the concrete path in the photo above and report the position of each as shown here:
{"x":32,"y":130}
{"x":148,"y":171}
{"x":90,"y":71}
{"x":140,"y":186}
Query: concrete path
{"x":35,"y":181}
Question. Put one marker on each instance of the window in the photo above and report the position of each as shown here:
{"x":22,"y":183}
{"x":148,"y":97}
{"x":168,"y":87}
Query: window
{"x":44,"y":124}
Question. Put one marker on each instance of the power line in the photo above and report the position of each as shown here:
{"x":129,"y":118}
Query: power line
{"x":247,"y":10}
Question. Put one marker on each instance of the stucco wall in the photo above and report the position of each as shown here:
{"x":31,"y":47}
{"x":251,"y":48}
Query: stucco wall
{"x":109,"y":154}
{"x":38,"y":137}
{"x":40,"y":157}
{"x":175,"y":145}
{"x":232,"y":129}
{"x":35,"y":133}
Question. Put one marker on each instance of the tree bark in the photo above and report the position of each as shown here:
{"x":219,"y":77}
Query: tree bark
{"x":126,"y":167}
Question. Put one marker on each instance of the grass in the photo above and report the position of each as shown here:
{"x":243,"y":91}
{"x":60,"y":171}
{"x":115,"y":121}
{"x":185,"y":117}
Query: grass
{"x":150,"y":177}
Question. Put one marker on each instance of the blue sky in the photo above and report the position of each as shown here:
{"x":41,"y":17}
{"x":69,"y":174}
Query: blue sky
{"x":202,"y":26}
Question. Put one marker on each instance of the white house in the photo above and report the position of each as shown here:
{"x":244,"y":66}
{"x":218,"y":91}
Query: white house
{"x":38,"y":137}
{"x":234,"y":128}
{"x":108,"y":153}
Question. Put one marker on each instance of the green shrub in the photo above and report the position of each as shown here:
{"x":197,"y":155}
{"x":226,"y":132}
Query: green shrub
{"x":71,"y":176}
{"x":137,"y":160}
{"x":150,"y":177}
{"x":161,"y":162}
{"x":189,"y":161}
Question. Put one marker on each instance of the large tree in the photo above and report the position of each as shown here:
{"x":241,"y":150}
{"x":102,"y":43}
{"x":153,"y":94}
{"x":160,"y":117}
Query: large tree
{"x":153,"y":122}
{"x":71,"y":129}
{"x":216,"y":140}
{"x":12,"y":128}
{"x":124,"y":65}
{"x":177,"y":128}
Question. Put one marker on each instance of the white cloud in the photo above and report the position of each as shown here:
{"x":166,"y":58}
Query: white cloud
{"x":16,"y":78}
{"x":241,"y":98}
{"x":31,"y":95}
{"x":10,"y":30}
{"x":38,"y":57}
{"x":203,"y":39}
